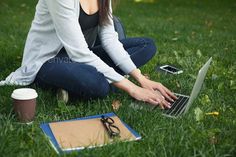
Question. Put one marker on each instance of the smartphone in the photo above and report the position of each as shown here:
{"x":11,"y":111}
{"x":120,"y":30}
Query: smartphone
{"x":171,"y":69}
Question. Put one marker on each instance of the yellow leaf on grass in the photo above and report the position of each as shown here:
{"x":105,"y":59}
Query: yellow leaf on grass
{"x":213,"y":113}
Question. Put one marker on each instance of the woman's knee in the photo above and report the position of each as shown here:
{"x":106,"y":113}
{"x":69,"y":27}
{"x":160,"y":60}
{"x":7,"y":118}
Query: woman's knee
{"x":147,"y":50}
{"x":150,"y":46}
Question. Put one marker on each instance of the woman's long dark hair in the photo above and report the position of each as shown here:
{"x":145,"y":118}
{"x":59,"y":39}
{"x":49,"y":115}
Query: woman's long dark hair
{"x":104,"y":11}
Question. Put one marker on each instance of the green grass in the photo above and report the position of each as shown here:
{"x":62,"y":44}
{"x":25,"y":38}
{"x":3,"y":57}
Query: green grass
{"x":187,"y":33}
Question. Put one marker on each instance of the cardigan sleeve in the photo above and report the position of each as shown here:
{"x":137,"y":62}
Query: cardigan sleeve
{"x":114,"y":48}
{"x":68,"y":30}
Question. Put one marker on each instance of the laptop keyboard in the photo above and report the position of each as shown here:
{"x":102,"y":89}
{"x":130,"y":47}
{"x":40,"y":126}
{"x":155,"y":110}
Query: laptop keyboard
{"x":177,"y":106}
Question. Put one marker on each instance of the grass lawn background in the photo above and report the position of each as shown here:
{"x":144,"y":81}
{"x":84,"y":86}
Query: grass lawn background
{"x":187,"y":33}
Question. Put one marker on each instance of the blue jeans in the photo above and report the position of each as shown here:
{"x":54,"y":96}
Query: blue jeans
{"x":84,"y":81}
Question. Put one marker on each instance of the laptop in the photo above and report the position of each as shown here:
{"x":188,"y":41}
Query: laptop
{"x":183,"y":103}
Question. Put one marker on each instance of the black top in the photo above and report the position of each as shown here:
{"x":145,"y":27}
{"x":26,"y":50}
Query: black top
{"x":88,"y":21}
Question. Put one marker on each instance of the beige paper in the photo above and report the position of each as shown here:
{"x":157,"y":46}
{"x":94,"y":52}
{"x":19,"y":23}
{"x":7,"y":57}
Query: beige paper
{"x":86,"y":133}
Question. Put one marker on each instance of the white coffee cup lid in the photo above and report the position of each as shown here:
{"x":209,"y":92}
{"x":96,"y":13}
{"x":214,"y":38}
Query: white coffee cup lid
{"x":24,"y":94}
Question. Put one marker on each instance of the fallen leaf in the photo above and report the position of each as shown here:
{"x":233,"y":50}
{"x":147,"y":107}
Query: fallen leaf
{"x":198,"y":114}
{"x":213,"y":140}
{"x":213,"y":135}
{"x":212,"y":113}
{"x":116,"y":104}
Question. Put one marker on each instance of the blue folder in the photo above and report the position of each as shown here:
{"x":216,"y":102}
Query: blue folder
{"x":48,"y":132}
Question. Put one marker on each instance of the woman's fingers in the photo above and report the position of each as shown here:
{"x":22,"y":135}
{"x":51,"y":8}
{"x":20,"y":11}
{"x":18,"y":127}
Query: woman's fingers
{"x":170,"y":93}
{"x":165,"y":104}
{"x":161,"y":106}
{"x":161,"y":100}
{"x":165,"y":94}
{"x":151,"y":97}
{"x":153,"y":102}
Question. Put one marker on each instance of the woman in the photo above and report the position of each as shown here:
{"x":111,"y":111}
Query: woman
{"x":60,"y":52}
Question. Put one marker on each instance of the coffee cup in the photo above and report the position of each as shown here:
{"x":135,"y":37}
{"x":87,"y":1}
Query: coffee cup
{"x":24,"y":104}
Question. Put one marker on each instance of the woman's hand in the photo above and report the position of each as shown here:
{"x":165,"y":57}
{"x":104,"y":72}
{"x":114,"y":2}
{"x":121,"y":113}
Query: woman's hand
{"x":149,"y":96}
{"x":142,"y":94}
{"x":153,"y":86}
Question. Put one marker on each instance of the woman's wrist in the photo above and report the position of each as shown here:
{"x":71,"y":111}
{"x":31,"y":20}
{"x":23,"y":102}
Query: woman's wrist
{"x":125,"y":85}
{"x":138,"y":76}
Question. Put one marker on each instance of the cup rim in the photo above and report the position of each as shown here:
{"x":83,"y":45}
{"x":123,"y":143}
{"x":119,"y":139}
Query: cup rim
{"x":24,"y":94}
